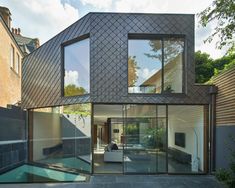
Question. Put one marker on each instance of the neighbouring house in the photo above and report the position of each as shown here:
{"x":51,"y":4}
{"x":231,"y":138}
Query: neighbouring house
{"x":13,"y":48}
{"x":10,"y":62}
{"x":27,"y":45}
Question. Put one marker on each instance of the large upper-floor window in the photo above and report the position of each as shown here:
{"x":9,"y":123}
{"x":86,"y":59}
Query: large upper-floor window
{"x":77,"y":68}
{"x":155,"y":65}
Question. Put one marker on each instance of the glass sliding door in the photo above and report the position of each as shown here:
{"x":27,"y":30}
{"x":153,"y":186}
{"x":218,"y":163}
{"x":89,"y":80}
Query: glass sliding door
{"x":150,"y":139}
{"x":186,"y":138}
{"x":108,"y":138}
{"x":144,"y":139}
{"x":161,"y":138}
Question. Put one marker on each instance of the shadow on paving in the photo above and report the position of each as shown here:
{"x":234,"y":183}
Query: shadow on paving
{"x":133,"y":181}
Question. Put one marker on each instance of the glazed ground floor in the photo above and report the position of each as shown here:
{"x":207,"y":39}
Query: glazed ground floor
{"x":120,"y":138}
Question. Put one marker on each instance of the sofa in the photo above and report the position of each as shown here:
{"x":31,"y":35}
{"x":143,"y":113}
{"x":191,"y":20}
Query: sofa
{"x":112,"y":153}
{"x":113,"y":156}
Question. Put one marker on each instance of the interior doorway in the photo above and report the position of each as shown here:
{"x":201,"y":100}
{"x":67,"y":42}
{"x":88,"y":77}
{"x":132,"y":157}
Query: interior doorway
{"x":108,"y":138}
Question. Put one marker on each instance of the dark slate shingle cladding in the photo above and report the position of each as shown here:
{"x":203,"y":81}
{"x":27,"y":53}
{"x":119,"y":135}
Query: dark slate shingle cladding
{"x":41,"y":82}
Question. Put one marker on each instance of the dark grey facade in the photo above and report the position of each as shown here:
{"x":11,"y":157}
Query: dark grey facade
{"x":13,"y":147}
{"x":43,"y":81}
{"x":42,"y":73}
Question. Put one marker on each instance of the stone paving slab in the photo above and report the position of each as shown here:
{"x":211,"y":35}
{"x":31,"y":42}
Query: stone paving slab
{"x":132,"y":181}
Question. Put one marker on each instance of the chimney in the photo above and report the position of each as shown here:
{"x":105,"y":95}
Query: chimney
{"x":6,"y":15}
{"x":18,"y":31}
{"x":36,"y":42}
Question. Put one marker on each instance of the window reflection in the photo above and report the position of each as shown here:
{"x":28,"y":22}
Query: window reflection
{"x":76,"y":64}
{"x":173,"y":66}
{"x":146,"y":62}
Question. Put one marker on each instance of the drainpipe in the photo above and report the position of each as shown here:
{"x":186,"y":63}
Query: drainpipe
{"x":212,"y":128}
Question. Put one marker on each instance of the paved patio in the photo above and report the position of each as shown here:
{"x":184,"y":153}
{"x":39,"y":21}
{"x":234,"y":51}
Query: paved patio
{"x":133,"y":181}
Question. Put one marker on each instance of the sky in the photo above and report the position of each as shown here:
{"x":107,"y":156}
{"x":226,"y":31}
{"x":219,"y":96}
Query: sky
{"x":44,"y":19}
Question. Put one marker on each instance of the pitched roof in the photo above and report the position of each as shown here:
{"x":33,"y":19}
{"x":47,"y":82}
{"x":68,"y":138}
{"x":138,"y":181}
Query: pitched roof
{"x":26,"y":44}
{"x":10,"y":34}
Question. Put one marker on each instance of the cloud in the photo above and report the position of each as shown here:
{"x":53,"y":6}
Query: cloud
{"x":42,"y":19}
{"x":159,"y":6}
{"x":71,"y":77}
{"x":201,"y":34}
{"x":176,"y":6}
{"x":145,"y":73}
{"x":99,"y":4}
{"x":45,"y":18}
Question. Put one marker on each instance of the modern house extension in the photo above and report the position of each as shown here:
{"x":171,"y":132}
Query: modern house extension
{"x":115,"y":93}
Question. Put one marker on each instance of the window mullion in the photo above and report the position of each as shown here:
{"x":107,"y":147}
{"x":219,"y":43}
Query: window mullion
{"x":162,"y":75}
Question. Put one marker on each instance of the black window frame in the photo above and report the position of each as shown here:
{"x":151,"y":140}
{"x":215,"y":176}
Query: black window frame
{"x":162,"y":37}
{"x":62,"y":47}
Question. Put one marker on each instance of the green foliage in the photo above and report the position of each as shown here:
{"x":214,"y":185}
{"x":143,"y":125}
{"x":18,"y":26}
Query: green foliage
{"x":203,"y":67}
{"x":223,"y":12}
{"x":228,"y":175}
{"x":131,"y":129}
{"x":132,"y":71}
{"x":227,"y":61}
{"x":73,"y":90}
{"x":81,"y":109}
{"x":168,"y":89}
{"x":206,"y":67}
{"x":172,"y":48}
{"x":154,"y":137}
{"x":222,"y":174}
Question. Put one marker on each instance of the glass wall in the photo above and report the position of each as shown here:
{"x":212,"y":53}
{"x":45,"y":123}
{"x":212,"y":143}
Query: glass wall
{"x":150,"y":138}
{"x":145,"y":139}
{"x":108,"y":138}
{"x":77,"y":68}
{"x":186,"y":141}
{"x":132,"y":138}
{"x":155,"y":65}
{"x":61,"y":137}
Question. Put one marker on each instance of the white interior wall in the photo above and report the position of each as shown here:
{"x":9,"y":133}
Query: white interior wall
{"x":187,"y":119}
{"x":46,"y":132}
{"x":81,"y":123}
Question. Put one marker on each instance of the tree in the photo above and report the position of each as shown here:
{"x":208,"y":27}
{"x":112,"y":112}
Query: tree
{"x":224,"y":63}
{"x":223,"y":12}
{"x":72,"y":90}
{"x":132,"y":71}
{"x":203,"y":67}
{"x":206,"y":67}
{"x":83,"y":110}
{"x":172,"y":48}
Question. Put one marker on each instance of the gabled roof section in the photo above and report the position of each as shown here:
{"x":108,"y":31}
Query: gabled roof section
{"x":11,"y":35}
{"x":26,"y":44}
{"x":67,"y":29}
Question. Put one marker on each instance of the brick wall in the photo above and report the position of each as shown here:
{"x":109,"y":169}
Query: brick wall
{"x":10,"y":80}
